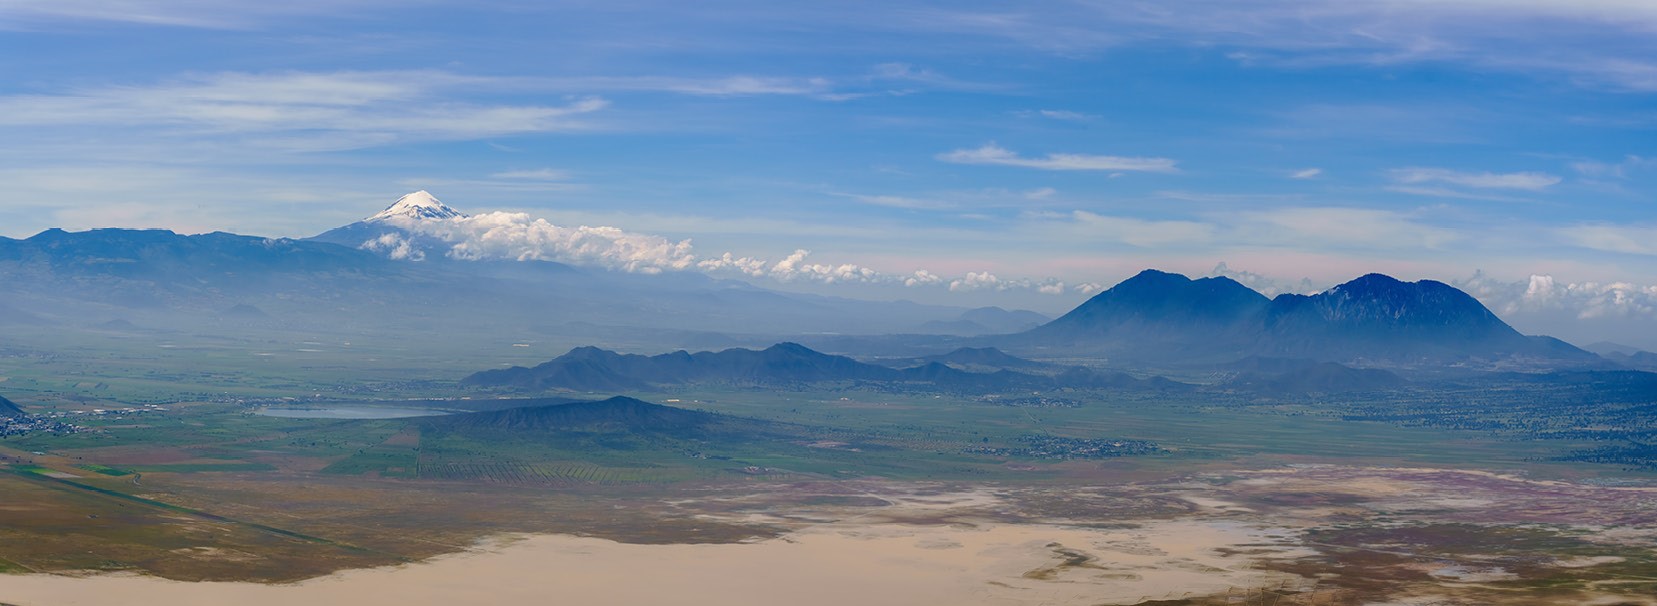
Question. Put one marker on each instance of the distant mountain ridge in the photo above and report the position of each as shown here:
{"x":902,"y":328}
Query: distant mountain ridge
{"x":1374,"y":319}
{"x":986,"y":321}
{"x":331,"y":284}
{"x":594,"y":369}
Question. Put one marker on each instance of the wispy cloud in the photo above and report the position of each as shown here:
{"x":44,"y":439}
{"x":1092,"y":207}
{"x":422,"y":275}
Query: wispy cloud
{"x":1596,"y":43}
{"x":1527,"y":181}
{"x":208,"y":14}
{"x":1614,"y":170}
{"x":299,"y":110}
{"x":902,"y":202}
{"x":539,"y":174}
{"x":993,"y":154}
{"x":1308,"y":173}
{"x":1064,"y":115}
{"x":1338,"y":228}
{"x":1636,"y":240}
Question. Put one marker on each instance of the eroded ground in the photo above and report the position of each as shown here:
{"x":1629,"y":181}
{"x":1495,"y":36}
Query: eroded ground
{"x":1306,"y":534}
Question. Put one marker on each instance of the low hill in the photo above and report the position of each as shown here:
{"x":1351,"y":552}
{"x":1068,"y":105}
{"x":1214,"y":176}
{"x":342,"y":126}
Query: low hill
{"x":615,"y":414}
{"x":9,"y":408}
{"x":970,"y":358}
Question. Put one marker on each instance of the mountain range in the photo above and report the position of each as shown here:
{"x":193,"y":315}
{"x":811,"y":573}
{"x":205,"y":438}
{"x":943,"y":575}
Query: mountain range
{"x":365,"y":279}
{"x":339,"y":282}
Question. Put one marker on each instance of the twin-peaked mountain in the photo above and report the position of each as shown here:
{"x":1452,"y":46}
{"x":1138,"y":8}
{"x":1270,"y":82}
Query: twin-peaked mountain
{"x":1163,"y":317}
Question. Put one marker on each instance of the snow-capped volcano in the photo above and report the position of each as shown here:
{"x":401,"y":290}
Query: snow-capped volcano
{"x":418,"y":205}
{"x":399,"y":231}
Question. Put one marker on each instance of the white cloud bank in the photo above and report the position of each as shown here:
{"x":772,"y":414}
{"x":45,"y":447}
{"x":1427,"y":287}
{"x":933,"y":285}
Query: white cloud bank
{"x":520,"y":237}
{"x":1582,"y":300}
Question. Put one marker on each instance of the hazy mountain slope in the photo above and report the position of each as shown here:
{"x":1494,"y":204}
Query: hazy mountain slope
{"x":9,"y":408}
{"x":614,"y":414}
{"x":986,"y":321}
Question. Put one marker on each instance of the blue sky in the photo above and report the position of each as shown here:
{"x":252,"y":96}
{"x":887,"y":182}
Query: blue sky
{"x":1505,"y":146}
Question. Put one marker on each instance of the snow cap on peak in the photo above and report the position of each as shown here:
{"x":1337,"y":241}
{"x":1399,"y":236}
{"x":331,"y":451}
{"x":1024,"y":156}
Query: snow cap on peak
{"x":418,"y":205}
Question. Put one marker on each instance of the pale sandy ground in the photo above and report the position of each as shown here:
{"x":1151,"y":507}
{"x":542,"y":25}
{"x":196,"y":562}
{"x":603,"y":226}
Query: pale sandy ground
{"x":826,"y":565}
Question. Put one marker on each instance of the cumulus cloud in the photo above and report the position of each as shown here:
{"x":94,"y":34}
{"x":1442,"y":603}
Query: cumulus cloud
{"x":976,"y":281}
{"x":794,"y":267}
{"x":517,"y":236}
{"x":1262,"y":284}
{"x":922,"y":277}
{"x":395,"y":246}
{"x":747,"y":266}
{"x":1582,"y":300}
{"x":994,"y":154}
{"x":1527,"y":181}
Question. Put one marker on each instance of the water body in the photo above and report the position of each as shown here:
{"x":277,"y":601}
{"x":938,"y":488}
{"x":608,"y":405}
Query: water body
{"x":349,"y":412}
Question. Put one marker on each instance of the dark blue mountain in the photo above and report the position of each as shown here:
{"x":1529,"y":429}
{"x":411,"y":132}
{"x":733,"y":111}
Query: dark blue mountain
{"x":1160,"y":318}
{"x":1379,"y":318}
{"x":1157,"y":316}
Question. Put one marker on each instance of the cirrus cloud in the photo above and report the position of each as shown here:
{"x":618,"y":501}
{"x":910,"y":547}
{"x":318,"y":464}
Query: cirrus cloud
{"x":993,"y":154}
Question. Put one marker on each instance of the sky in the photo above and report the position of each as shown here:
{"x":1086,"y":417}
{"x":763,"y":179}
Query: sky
{"x":1018,"y":154}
